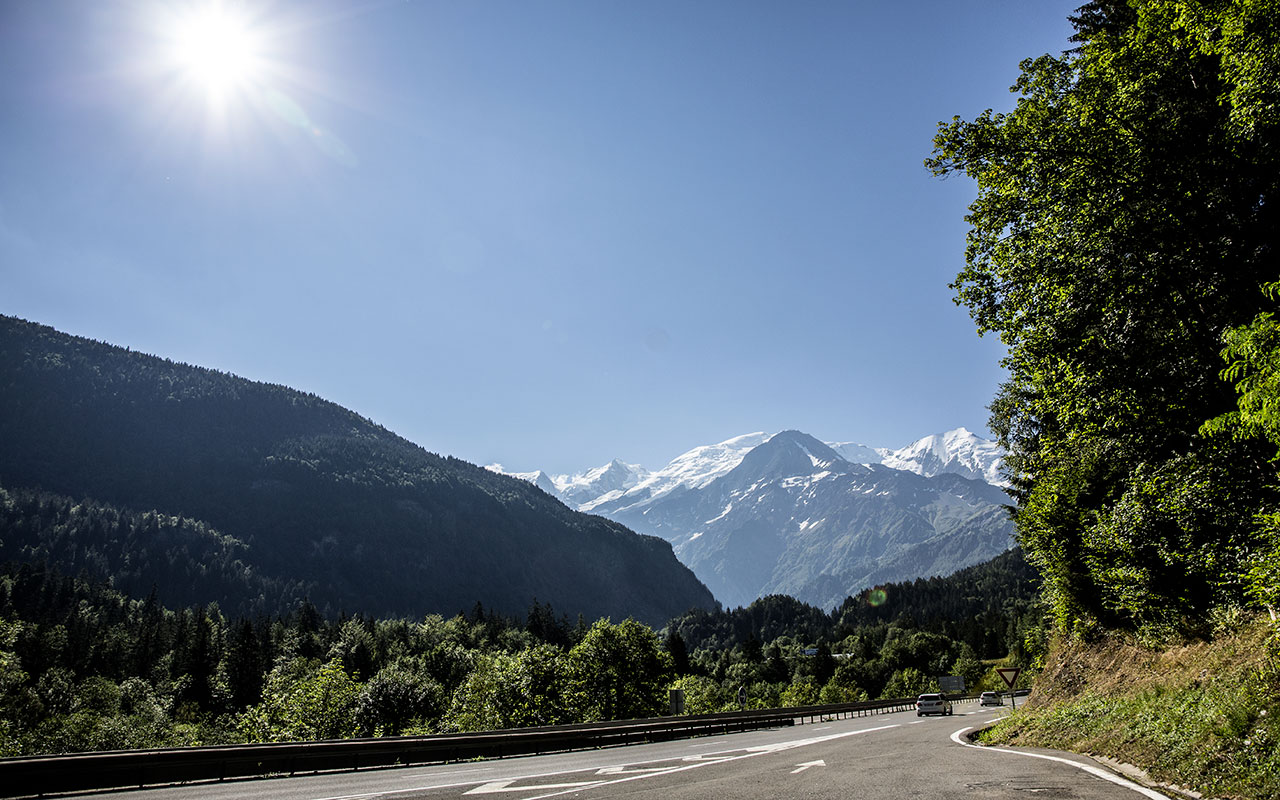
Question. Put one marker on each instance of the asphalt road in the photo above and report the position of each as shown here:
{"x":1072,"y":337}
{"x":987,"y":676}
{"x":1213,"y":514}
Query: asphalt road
{"x":876,"y":758}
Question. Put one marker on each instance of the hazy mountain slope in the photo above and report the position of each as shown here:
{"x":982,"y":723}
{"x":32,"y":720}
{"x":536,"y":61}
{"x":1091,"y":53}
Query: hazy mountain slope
{"x":319,"y":495}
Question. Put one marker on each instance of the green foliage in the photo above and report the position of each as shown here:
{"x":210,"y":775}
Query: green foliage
{"x":618,"y":672}
{"x":836,"y":692}
{"x":1155,"y":548}
{"x":1252,"y":353}
{"x":399,"y":697}
{"x":1263,"y":576}
{"x":908,"y":682}
{"x":968,"y":667}
{"x":1122,"y":226}
{"x":512,"y":691}
{"x":12,"y":679}
{"x":803,"y":691}
{"x":304,"y":701}
{"x":703,"y":695}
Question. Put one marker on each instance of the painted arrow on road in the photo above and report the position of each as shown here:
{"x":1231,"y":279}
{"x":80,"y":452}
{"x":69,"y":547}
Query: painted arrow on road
{"x":807,"y":764}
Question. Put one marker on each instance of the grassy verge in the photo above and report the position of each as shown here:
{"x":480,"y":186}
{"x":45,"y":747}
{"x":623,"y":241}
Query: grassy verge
{"x":1202,"y":715}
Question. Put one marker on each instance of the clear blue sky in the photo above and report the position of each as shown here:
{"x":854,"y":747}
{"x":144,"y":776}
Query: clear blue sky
{"x":542,"y":233}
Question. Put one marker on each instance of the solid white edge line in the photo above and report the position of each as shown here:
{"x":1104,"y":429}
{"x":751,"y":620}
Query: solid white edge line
{"x":1089,"y":768}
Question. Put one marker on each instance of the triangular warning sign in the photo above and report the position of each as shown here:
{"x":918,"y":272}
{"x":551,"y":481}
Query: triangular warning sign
{"x":1009,"y":674}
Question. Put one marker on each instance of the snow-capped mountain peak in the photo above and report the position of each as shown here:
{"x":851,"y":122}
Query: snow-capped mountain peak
{"x":857,"y":453}
{"x":619,"y":485}
{"x":958,"y":451}
{"x":702,"y":465}
{"x":690,"y":470}
{"x":616,"y":476}
{"x":787,"y":454}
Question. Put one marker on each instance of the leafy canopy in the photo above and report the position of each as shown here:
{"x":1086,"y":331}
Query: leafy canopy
{"x":1124,"y":222}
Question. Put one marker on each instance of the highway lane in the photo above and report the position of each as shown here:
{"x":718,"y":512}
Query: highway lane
{"x":876,"y":758}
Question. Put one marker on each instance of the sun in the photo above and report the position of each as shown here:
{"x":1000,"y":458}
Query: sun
{"x":217,"y":47}
{"x":229,"y":70}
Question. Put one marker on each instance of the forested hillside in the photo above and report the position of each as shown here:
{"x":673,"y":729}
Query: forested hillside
{"x":215,"y":488}
{"x":990,"y":607}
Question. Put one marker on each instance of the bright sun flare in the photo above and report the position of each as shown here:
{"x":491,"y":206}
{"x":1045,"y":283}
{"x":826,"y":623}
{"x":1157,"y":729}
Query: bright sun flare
{"x":217,"y":48}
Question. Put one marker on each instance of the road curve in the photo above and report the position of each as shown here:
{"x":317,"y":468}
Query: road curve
{"x":871,"y":758}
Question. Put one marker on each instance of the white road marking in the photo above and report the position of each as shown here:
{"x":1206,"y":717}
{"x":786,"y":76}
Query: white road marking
{"x":703,"y":757}
{"x":780,"y":746}
{"x":630,"y":770}
{"x":807,"y":764}
{"x":493,"y":787}
{"x":1089,"y":768}
{"x":387,"y":792}
{"x":751,"y":752}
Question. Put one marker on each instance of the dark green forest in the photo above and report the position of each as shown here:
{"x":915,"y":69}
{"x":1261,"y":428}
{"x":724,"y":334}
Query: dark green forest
{"x":211,"y":487}
{"x":83,"y":666}
{"x":990,"y":607}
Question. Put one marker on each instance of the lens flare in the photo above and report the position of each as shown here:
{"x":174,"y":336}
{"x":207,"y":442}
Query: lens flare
{"x":877,"y":597}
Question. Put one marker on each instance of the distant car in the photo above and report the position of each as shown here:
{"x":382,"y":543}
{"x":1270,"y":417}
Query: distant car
{"x":933,"y":704}
{"x":991,"y":699}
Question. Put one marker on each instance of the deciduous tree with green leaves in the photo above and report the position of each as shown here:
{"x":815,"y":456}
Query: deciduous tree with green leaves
{"x":618,"y":672}
{"x":1253,"y":356}
{"x":1126,"y":217}
{"x":304,"y":701}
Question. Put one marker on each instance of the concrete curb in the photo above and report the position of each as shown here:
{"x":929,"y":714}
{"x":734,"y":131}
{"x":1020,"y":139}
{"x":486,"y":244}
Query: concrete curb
{"x":1132,"y":772}
{"x":1139,"y":775}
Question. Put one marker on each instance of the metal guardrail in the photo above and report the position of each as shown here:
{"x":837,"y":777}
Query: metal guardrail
{"x":39,"y":775}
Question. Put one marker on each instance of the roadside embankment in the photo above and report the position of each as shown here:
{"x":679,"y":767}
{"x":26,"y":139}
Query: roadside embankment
{"x":1202,"y":715}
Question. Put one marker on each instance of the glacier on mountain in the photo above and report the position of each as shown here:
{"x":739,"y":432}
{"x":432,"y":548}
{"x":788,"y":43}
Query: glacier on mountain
{"x":957,"y":451}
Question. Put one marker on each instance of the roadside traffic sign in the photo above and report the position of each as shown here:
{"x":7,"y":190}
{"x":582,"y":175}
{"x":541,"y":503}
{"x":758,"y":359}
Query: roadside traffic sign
{"x":1010,"y":676}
